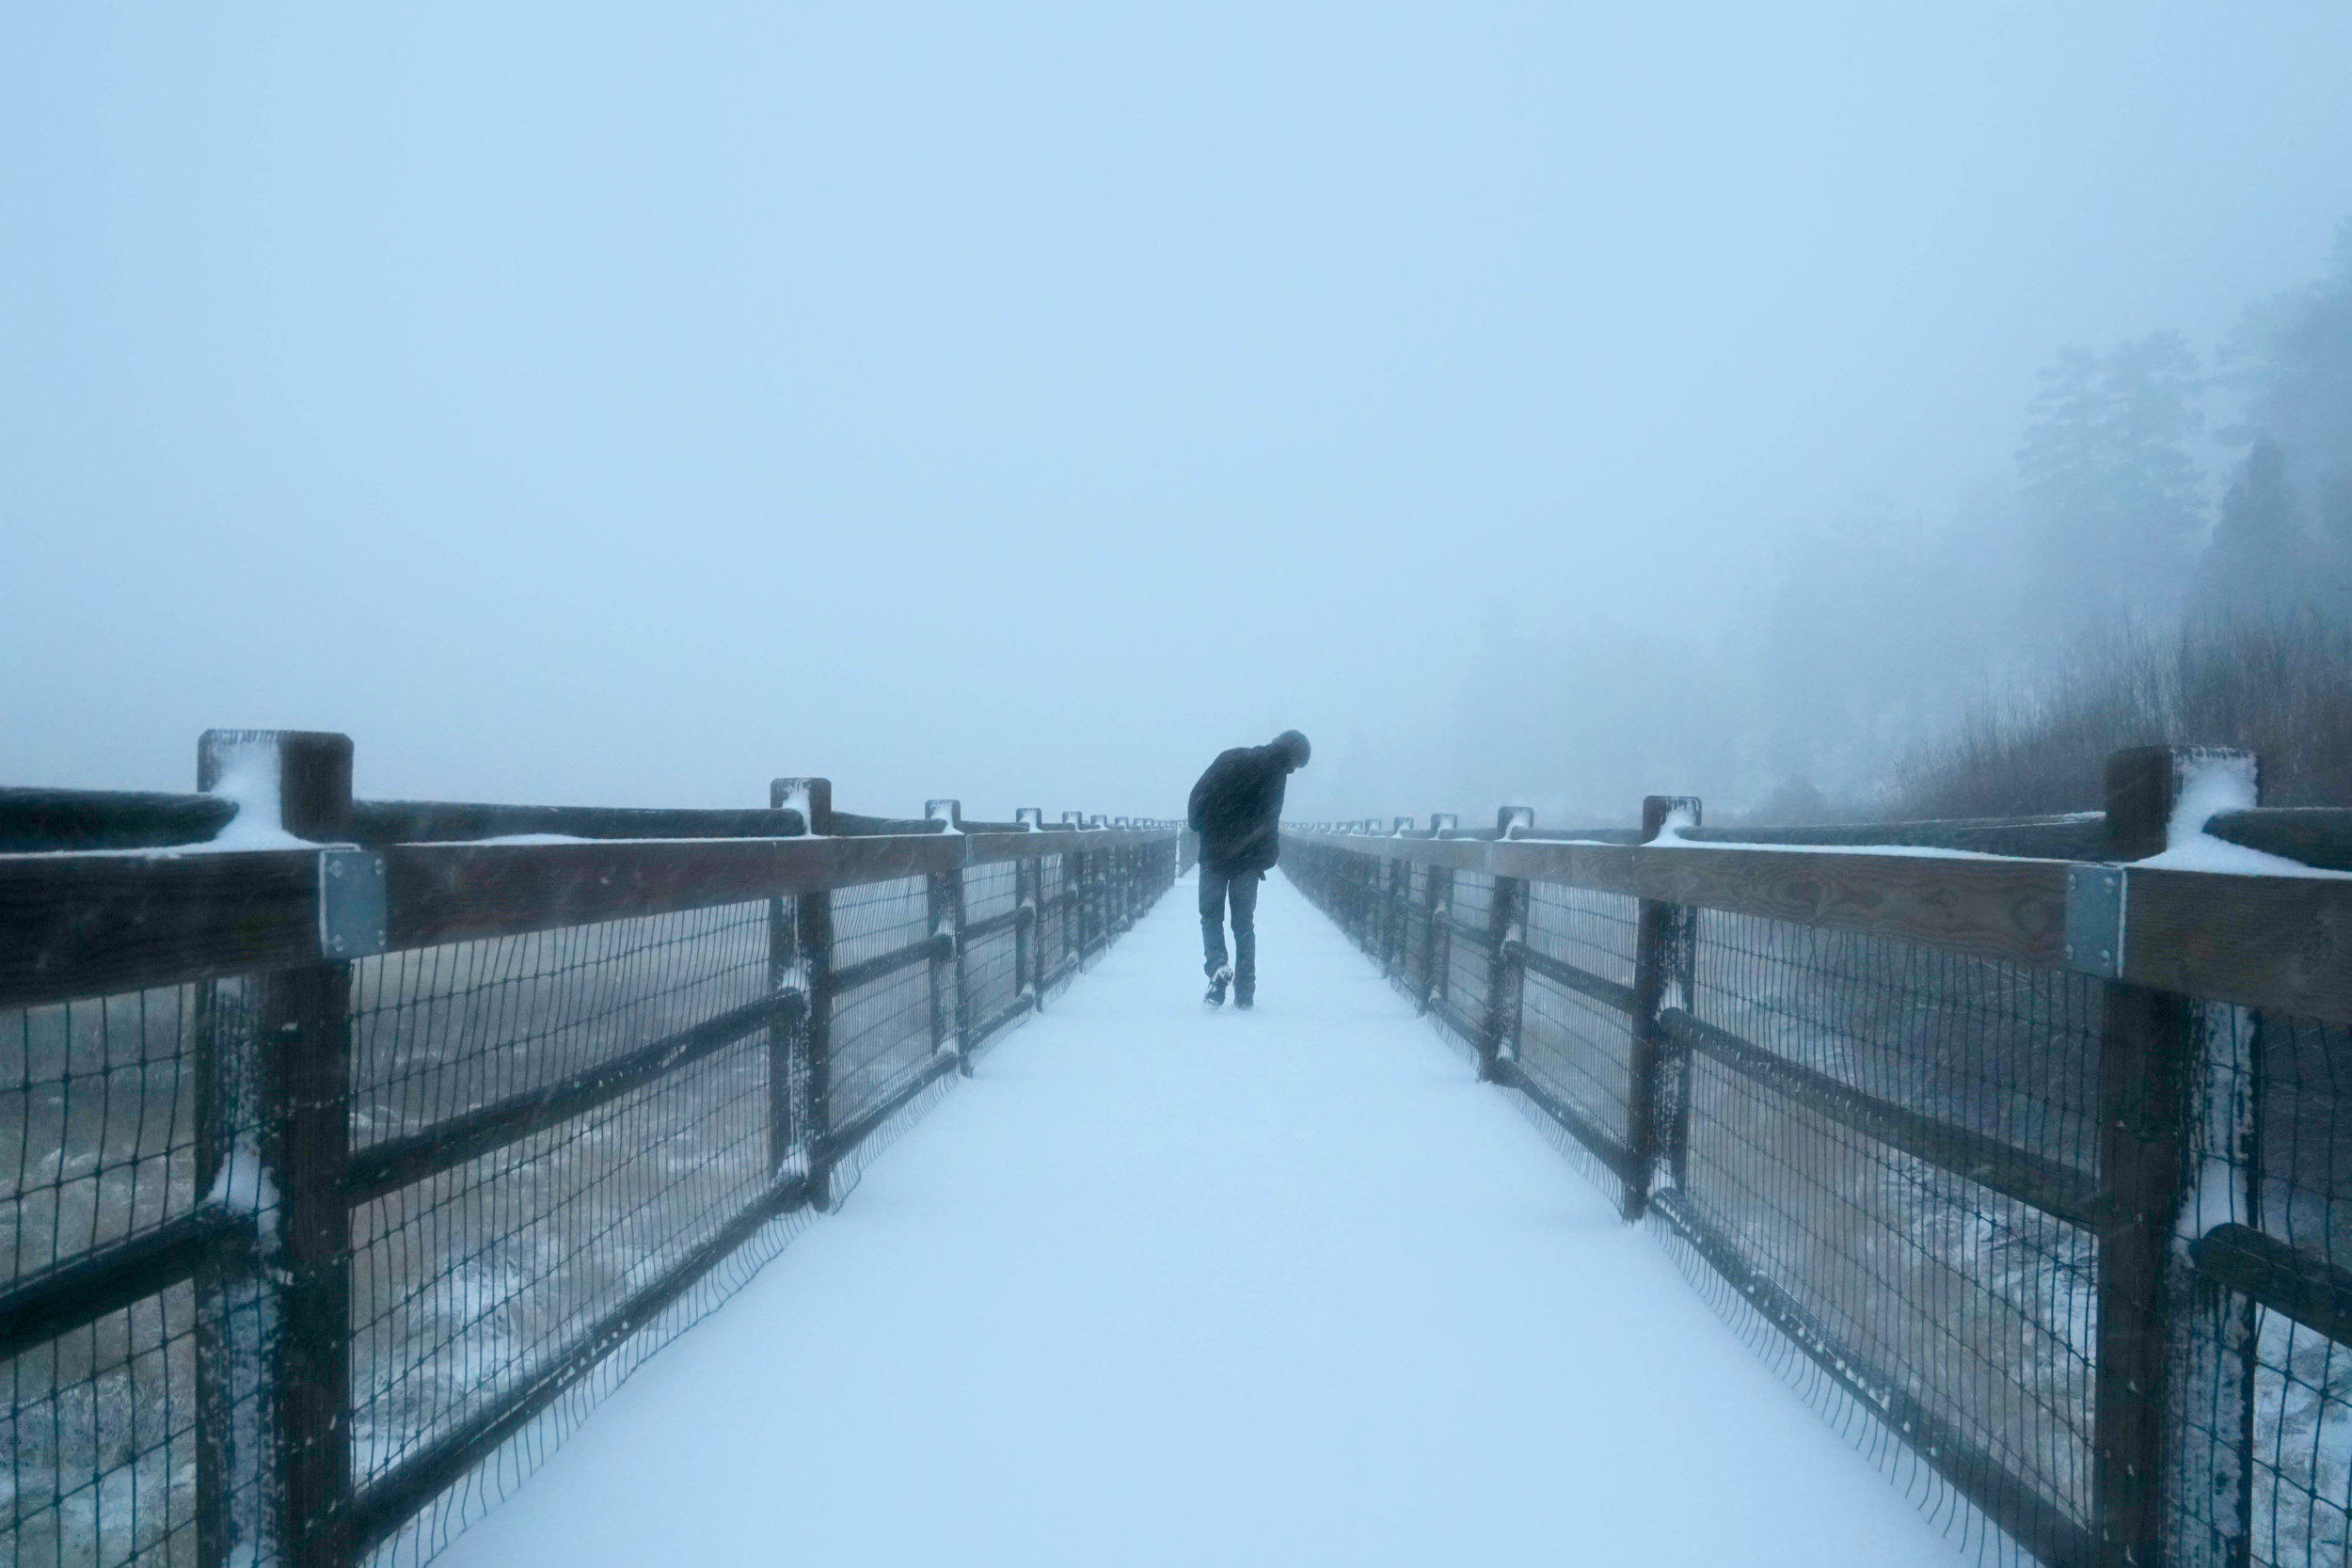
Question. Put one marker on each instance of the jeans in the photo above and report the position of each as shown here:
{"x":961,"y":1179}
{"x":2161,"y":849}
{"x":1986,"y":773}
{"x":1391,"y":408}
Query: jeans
{"x":1241,"y":889}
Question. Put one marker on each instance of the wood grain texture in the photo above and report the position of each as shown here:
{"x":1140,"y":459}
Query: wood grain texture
{"x":1998,"y":908}
{"x":459,"y":893}
{"x":2316,"y":835}
{"x":2281,"y":943}
{"x":37,"y":820}
{"x":2309,"y":1288}
{"x":374,"y":823}
{"x":990,"y":848}
{"x":74,"y":926}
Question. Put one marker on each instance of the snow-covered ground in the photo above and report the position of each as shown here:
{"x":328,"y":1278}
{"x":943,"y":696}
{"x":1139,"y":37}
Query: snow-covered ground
{"x":1161,"y":1286}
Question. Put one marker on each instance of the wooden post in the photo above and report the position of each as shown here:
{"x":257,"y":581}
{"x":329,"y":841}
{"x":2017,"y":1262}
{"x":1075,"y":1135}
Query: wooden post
{"x":2150,"y":1043}
{"x":1658,"y":934}
{"x":1075,"y":871}
{"x":805,"y":1066}
{"x":1073,"y":918}
{"x":790,"y":1122}
{"x":944,"y":904}
{"x":1434,"y":880}
{"x":274,"y":1135}
{"x":1397,"y":915}
{"x":1505,"y":912}
{"x":813,"y":936}
{"x":1028,"y":946}
{"x":782,"y":975}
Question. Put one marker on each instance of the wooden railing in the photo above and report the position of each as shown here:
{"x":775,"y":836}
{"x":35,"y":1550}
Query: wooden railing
{"x":260,"y":949}
{"x":2199,"y":993}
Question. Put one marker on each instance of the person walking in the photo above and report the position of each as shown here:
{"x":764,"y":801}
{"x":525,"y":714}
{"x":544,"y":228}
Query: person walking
{"x":1237,"y":808}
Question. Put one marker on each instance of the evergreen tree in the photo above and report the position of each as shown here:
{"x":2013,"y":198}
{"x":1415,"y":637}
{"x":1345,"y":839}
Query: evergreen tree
{"x":2259,"y":562}
{"x":2296,"y":359}
{"x":2114,"y":501}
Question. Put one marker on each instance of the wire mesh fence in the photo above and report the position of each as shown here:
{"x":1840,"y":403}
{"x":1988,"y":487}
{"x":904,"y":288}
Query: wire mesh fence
{"x":316,"y":1264}
{"x":97,"y":1133}
{"x":1919,"y":1175}
{"x":1575,"y":1048}
{"x":2264,"y":1405}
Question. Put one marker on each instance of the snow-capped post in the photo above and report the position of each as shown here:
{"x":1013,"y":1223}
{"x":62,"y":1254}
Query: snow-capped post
{"x":1099,"y":879}
{"x":944,"y":904}
{"x":800,"y":1087}
{"x":2153,"y":1099}
{"x":1072,"y":900}
{"x":1396,"y":912}
{"x":1436,"y":943}
{"x":1029,"y":897}
{"x":1073,"y":886}
{"x":1122,"y":882}
{"x":1506,"y":972}
{"x":1663,"y":934}
{"x":273,"y":1139}
{"x":810,"y":798}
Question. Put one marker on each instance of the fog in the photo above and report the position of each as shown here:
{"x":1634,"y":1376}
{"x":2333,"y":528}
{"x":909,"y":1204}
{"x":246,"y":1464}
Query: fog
{"x":604,"y":405}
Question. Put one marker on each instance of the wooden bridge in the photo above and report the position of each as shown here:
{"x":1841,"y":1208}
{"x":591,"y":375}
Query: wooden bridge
{"x":361,"y":1148}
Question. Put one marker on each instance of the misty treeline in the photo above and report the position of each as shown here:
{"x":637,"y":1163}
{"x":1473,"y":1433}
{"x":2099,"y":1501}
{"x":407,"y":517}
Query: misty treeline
{"x":2169,"y":560}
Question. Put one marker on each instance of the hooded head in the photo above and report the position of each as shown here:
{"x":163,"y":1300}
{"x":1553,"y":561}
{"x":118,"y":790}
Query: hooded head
{"x":1293,"y":746}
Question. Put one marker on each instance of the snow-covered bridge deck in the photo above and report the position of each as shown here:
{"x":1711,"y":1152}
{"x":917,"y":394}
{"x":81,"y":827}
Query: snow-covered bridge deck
{"x":1168,"y":1287}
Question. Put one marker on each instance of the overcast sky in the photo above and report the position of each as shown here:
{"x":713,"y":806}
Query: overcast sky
{"x":625,"y":405}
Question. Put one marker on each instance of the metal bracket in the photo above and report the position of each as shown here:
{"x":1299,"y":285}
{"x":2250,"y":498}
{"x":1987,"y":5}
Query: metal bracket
{"x":2098,"y":902}
{"x":351,"y":904}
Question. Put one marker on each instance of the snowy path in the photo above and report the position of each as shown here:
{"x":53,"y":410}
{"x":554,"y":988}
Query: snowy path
{"x":1167,"y":1286}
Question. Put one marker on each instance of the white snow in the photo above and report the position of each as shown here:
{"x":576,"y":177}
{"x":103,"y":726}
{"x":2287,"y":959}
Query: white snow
{"x":1677,"y":818}
{"x":2201,"y":851}
{"x":1164,"y":1287}
{"x":242,"y":1186}
{"x":796,"y":798}
{"x":248,"y":777}
{"x":2212,"y":785}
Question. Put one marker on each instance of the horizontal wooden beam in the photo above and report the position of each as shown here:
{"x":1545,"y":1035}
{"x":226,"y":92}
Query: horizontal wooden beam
{"x":1989,"y":908}
{"x":980,"y":930}
{"x":40,"y":820}
{"x":375,"y":823}
{"x":461,"y":893}
{"x":2283,"y":944}
{"x":385,"y":1168}
{"x":882,"y":965}
{"x":2316,"y":835}
{"x":41,"y":1306}
{"x":2277,"y":942}
{"x":92,"y":925}
{"x":1608,"y":992}
{"x":2076,"y":836}
{"x":2034,"y":1179}
{"x":2283,"y":1277}
{"x":989,"y":849}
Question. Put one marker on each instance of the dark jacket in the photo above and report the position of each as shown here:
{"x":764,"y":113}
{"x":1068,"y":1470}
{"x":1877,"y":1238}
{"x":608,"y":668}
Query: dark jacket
{"x":1237,"y":808}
